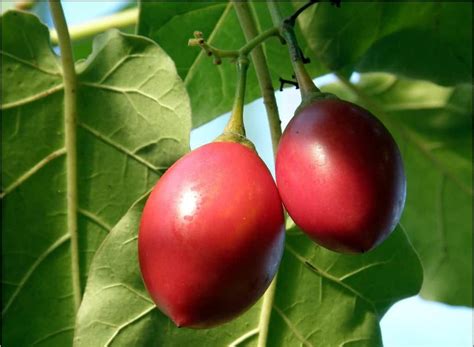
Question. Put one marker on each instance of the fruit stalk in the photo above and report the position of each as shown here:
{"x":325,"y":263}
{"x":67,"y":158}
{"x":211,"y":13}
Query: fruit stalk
{"x":70,"y":115}
{"x":218,"y":53}
{"x":234,"y":131}
{"x":307,"y":87}
{"x":236,"y":121}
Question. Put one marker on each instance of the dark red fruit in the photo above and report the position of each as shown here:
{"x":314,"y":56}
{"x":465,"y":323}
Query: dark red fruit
{"x":211,"y":235}
{"x":340,"y":176}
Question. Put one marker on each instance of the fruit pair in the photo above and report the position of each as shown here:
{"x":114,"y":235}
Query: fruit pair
{"x":211,"y":236}
{"x":212,"y":231}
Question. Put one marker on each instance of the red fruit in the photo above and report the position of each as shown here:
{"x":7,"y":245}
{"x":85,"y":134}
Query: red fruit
{"x":340,"y":176}
{"x":211,"y":235}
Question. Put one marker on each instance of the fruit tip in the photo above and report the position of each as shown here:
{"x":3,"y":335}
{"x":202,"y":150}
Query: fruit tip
{"x":180,"y":322}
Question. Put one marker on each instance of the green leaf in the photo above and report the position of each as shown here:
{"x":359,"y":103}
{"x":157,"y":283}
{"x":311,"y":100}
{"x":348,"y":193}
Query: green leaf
{"x":322,"y":298}
{"x":133,"y":122}
{"x":425,"y":40}
{"x":212,"y":87}
{"x":433,"y":127}
{"x":83,"y":47}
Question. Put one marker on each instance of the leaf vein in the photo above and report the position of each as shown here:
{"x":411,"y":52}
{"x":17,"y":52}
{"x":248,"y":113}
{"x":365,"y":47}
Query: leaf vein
{"x":92,"y":217}
{"x":126,"y":91}
{"x":38,"y":166}
{"x":292,"y":327}
{"x":122,"y":149}
{"x":126,"y":287}
{"x":121,"y":61}
{"x":26,"y":62}
{"x":55,"y":333}
{"x":363,"y":268}
{"x":33,"y":268}
{"x":329,"y":277}
{"x":32,"y":98}
{"x":130,"y":321}
{"x":353,"y":340}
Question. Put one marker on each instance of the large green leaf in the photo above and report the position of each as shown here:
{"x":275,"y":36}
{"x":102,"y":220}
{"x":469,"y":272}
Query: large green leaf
{"x":322,"y":298}
{"x":212,"y":87}
{"x":133,"y":122}
{"x":433,"y":127}
{"x":425,"y":40}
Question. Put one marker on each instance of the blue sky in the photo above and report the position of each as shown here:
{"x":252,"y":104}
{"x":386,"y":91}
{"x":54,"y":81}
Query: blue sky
{"x":412,"y":322}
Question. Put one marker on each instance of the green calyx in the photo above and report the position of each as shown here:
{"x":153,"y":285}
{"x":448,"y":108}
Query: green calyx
{"x":309,"y":98}
{"x":229,"y":136}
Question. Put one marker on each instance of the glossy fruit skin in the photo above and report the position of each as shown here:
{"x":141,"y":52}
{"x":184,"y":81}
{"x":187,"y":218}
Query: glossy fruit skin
{"x":211,"y":235}
{"x":340,"y":176}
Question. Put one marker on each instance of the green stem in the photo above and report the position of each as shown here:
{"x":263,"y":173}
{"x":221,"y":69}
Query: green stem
{"x":247,"y":22}
{"x":70,"y":88}
{"x":258,"y":39}
{"x":211,"y":50}
{"x":236,"y":121}
{"x":118,"y":20}
{"x":287,"y":31}
{"x":235,"y":130}
{"x":244,"y":50}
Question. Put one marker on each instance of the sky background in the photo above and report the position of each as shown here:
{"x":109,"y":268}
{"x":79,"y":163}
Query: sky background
{"x":412,"y":322}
